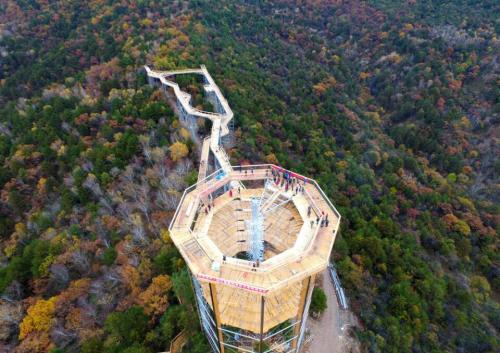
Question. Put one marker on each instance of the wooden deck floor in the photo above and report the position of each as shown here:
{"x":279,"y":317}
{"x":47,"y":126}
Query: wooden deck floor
{"x":302,"y":247}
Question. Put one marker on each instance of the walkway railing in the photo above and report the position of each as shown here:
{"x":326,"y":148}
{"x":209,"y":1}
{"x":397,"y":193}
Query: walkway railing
{"x":179,"y":342}
{"x":220,"y":178}
{"x":338,"y":288}
{"x":219,"y":121}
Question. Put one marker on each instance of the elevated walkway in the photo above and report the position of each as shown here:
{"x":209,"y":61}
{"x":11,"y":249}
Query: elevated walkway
{"x":219,"y":120}
{"x":215,"y":220}
{"x":205,"y":150}
{"x":179,"y":342}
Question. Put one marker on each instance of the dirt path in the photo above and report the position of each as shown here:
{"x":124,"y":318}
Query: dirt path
{"x":329,"y":333}
{"x":326,"y":333}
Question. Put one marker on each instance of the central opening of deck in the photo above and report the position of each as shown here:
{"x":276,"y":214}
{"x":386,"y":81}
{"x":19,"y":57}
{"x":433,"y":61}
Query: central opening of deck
{"x":250,"y":227}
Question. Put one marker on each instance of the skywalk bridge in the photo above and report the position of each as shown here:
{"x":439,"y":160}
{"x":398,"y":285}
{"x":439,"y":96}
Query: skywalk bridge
{"x":254,"y":237}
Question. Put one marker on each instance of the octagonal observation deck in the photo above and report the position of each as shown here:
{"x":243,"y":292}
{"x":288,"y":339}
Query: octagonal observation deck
{"x":261,"y":239}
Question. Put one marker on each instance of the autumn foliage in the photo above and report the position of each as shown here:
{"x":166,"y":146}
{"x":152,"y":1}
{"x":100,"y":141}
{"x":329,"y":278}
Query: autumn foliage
{"x":155,"y":298}
{"x":39,"y":318}
{"x":178,"y":150}
{"x":392,"y":108}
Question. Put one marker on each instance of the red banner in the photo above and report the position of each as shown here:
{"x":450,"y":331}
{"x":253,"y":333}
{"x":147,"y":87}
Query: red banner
{"x":291,"y":174}
{"x":232,"y":283}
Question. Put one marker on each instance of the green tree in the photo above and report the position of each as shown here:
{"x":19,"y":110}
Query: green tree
{"x":127,"y":327}
{"x":92,"y":345}
{"x":137,"y":348}
{"x":109,"y":256}
{"x":318,"y":301}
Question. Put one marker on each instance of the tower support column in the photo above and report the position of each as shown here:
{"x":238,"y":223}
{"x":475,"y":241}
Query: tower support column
{"x":305,"y":298}
{"x":262,"y":307}
{"x":215,"y":306}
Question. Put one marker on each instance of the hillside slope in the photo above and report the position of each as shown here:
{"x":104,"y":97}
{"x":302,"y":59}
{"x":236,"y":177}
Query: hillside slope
{"x":393,"y":109}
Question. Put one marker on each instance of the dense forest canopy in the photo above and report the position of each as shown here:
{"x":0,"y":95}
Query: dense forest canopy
{"x":392,"y":106}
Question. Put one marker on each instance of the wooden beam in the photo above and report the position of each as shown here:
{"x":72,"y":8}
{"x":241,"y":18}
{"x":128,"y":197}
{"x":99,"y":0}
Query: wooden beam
{"x":307,"y":285}
{"x":262,"y":306}
{"x":215,"y":307}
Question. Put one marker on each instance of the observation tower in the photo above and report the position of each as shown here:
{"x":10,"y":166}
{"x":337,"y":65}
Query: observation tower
{"x":254,"y":237}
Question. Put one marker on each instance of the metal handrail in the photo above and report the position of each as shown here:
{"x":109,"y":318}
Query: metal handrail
{"x":309,"y":180}
{"x":178,"y":92}
{"x":248,"y":265}
{"x":338,"y":287}
{"x":194,"y":186}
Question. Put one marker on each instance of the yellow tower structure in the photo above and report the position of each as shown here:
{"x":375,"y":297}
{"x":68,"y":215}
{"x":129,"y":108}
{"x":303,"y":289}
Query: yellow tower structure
{"x":254,"y":237}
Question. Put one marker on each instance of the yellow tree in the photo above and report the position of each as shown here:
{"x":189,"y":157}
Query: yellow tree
{"x":178,"y":150}
{"x":40,"y":317}
{"x":271,"y":158}
{"x":155,"y":298}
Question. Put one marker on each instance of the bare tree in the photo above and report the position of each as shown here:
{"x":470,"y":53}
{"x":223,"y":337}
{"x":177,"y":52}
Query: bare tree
{"x":92,"y":184}
{"x":162,"y":199}
{"x":87,"y":166}
{"x":106,"y":203}
{"x":183,"y":167}
{"x":13,"y":292}
{"x":158,"y":155}
{"x":130,"y":190}
{"x":62,"y":337}
{"x":167,"y":199}
{"x":142,"y":198}
{"x":11,"y":315}
{"x":138,"y":232}
{"x":59,"y":274}
{"x":128,"y":174}
{"x":101,"y":232}
{"x":160,"y":167}
{"x":125,"y":212}
{"x":176,"y":181}
{"x":5,"y":130}
{"x":80,"y":262}
{"x":112,"y":278}
{"x":146,"y":147}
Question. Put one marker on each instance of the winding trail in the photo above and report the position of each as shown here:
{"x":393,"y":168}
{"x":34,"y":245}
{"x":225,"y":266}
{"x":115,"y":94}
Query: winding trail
{"x":327,"y":331}
{"x":220,"y":118}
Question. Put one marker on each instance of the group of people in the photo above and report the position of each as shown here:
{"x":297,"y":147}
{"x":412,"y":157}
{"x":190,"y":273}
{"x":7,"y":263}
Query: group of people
{"x":210,"y":203}
{"x":208,"y":207}
{"x":231,"y":192}
{"x":323,"y":221}
{"x":286,"y":180}
{"x":251,"y":171}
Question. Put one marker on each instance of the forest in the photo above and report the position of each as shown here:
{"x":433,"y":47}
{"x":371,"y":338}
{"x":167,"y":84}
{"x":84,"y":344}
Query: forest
{"x":392,"y":106}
